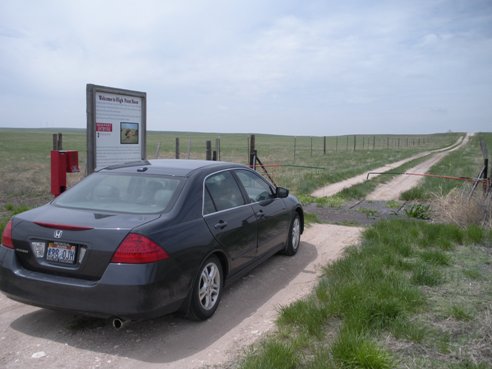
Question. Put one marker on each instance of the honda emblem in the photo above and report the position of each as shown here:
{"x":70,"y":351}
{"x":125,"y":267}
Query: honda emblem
{"x":58,"y":233}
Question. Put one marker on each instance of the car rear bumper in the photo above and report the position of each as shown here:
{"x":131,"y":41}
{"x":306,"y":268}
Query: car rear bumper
{"x":126,"y":291}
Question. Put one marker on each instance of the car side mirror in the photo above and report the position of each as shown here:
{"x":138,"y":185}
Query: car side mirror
{"x":282,"y":192}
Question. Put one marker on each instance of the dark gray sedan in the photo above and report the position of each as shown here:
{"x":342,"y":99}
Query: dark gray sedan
{"x":144,"y":239}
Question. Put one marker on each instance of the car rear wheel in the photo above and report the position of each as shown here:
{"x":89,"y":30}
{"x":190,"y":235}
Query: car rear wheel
{"x":207,"y":290}
{"x":294,"y":236}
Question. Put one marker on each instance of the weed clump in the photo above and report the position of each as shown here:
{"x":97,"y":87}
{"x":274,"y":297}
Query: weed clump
{"x":463,"y":208}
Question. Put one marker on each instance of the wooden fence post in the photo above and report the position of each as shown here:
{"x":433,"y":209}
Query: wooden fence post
{"x":295,"y":142}
{"x":217,"y":147}
{"x":208,"y":153}
{"x":177,"y":147}
{"x":485,"y":154}
{"x":252,"y":150}
{"x":324,"y":145}
{"x":57,"y":141}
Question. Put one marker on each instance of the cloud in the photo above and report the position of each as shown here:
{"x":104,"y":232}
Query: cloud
{"x":256,"y":64}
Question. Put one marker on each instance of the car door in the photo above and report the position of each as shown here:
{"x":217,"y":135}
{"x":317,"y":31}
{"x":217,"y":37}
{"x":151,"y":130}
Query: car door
{"x":270,"y":211}
{"x":231,"y":221}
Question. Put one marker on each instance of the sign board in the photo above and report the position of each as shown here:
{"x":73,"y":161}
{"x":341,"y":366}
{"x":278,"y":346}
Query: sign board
{"x":116,"y":126}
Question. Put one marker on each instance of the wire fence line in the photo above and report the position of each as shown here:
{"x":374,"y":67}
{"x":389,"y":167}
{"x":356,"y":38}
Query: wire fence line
{"x":237,"y":148}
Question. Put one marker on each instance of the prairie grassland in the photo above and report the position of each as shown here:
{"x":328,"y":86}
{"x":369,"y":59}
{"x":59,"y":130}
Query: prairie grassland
{"x":25,"y":157}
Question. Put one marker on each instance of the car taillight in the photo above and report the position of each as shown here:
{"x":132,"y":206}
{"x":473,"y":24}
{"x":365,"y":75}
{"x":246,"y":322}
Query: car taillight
{"x":138,"y":249}
{"x":7,"y":236}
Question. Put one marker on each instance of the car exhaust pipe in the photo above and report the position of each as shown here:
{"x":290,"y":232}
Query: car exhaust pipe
{"x":119,"y":323}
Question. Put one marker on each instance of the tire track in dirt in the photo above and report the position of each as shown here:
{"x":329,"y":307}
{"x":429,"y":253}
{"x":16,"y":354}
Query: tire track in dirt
{"x":334,"y":188}
{"x":402,"y":183}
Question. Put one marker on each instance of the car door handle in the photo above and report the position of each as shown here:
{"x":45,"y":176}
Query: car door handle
{"x":220,"y":225}
{"x":260,"y":214}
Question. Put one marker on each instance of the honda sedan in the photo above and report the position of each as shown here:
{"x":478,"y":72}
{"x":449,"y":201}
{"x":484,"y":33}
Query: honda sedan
{"x":143,"y":239}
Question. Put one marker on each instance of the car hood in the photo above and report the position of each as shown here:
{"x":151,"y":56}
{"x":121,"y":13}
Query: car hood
{"x":96,"y":235}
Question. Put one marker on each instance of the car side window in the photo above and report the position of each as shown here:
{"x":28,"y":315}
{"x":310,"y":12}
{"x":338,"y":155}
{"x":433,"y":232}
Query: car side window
{"x":224,"y":192}
{"x":256,"y":188}
{"x":208,"y":204}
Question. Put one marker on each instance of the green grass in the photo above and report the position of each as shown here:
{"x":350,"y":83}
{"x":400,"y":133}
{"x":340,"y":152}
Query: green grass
{"x":25,"y":157}
{"x":331,"y":201}
{"x":418,"y":211}
{"x":465,"y":162}
{"x":310,"y":218}
{"x":353,"y":350}
{"x":460,"y":313}
{"x":361,"y":190}
{"x":407,"y":297}
{"x":435,"y":257}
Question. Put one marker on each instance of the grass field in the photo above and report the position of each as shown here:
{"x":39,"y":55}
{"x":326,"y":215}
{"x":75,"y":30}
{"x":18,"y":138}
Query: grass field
{"x":25,"y":158}
{"x":412,"y":295}
{"x":465,"y":162}
{"x":25,"y":162}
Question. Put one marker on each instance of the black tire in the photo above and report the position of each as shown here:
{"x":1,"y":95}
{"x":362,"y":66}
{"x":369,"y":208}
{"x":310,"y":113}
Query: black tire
{"x":207,"y":290}
{"x":294,"y":239}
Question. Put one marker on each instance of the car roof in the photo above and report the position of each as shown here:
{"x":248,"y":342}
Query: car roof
{"x":176,"y":167}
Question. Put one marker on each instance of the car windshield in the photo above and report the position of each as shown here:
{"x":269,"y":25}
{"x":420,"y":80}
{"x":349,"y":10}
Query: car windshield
{"x":121,"y":192}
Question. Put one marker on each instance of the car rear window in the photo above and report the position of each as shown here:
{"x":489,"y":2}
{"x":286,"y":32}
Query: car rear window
{"x":122,"y":192}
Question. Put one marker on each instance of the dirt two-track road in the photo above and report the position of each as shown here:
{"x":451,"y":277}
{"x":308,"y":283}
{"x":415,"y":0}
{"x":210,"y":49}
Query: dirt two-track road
{"x":37,"y":338}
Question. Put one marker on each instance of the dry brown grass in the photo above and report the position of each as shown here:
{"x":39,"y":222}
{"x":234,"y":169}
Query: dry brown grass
{"x":463,"y":207}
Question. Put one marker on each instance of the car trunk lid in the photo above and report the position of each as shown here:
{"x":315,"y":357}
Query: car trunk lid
{"x":71,"y":242}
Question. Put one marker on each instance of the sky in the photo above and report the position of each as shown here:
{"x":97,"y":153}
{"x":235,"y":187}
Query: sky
{"x":255,"y":66}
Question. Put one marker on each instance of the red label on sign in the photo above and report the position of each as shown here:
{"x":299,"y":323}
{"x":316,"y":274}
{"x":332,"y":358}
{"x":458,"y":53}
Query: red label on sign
{"x":104,"y":127}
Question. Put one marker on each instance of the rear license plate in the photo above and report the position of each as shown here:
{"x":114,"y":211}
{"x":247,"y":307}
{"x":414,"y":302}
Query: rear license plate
{"x":61,"y":252}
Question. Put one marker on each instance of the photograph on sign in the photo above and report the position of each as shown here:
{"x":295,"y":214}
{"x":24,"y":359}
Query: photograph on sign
{"x":128,"y":133}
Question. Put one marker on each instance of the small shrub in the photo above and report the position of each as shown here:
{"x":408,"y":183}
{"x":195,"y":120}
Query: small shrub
{"x":418,"y":211}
